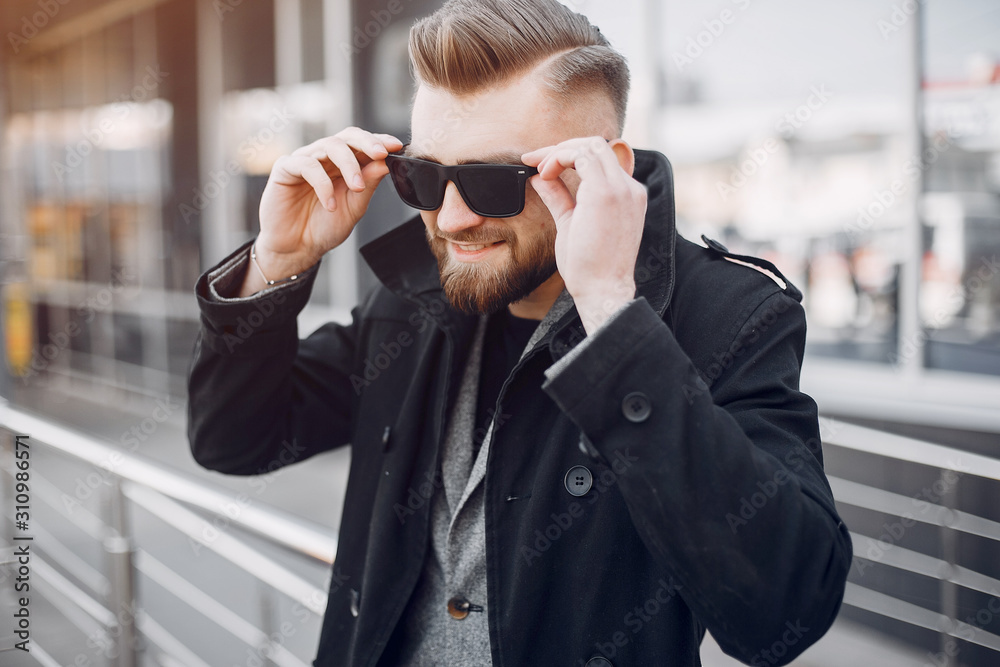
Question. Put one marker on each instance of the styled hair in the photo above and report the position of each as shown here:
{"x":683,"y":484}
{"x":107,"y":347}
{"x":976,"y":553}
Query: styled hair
{"x":468,"y":46}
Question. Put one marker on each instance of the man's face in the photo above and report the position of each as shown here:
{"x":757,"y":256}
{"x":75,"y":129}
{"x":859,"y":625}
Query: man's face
{"x":487,"y":263}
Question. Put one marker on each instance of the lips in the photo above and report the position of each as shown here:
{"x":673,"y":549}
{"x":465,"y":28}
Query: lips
{"x":473,"y":247}
{"x":472,"y":251}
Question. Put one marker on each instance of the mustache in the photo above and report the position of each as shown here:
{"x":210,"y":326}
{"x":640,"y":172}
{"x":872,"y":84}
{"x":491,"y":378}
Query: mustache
{"x":478,"y":235}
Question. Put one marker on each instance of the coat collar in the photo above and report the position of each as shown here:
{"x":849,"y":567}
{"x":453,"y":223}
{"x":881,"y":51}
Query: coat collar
{"x":402,"y":260}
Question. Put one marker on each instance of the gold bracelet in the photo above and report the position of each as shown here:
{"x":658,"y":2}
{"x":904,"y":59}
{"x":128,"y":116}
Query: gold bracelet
{"x":253,"y":257}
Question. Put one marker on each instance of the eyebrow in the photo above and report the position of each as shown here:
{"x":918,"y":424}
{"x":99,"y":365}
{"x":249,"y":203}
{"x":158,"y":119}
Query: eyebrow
{"x":495,"y":157}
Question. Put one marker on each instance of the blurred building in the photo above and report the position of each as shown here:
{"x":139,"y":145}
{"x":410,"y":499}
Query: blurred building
{"x":137,"y":136}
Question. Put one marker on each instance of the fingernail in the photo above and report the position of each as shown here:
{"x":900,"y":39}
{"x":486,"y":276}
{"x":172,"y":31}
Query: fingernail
{"x":358,"y":181}
{"x":331,"y":204}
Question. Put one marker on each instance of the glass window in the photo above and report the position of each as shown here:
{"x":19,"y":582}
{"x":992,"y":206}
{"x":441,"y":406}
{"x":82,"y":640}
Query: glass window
{"x":960,"y":281}
{"x":785,"y":145}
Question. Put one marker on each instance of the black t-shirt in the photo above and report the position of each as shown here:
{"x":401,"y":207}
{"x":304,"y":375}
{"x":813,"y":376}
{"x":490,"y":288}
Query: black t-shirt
{"x":505,"y":340}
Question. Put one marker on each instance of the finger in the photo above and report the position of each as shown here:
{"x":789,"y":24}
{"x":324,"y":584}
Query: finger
{"x":390,"y":142}
{"x":533,"y":158}
{"x":556,"y":197}
{"x":580,"y":154}
{"x":362,"y":143}
{"x":373,"y":173}
{"x":336,"y":153}
{"x":369,"y":144}
{"x":343,"y":158}
{"x":293,"y":169}
{"x":537,"y":155}
{"x":610,"y":161}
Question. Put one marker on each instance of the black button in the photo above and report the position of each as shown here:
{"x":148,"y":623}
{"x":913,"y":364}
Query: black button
{"x":714,"y":245}
{"x":599,"y":661}
{"x":578,"y":480}
{"x":355,"y":603}
{"x":636,"y":407}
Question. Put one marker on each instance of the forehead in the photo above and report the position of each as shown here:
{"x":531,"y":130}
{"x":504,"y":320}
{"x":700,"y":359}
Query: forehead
{"x":489,"y":126}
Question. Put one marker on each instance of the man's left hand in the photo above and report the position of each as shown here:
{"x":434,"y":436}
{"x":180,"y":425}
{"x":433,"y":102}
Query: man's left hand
{"x":599,"y":229}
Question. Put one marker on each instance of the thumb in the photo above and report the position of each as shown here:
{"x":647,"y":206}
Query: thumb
{"x":555,"y":195}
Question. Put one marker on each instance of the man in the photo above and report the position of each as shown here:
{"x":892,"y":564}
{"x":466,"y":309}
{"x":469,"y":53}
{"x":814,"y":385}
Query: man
{"x":577,"y":438}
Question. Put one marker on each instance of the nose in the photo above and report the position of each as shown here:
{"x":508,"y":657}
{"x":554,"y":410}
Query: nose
{"x":455,"y":216}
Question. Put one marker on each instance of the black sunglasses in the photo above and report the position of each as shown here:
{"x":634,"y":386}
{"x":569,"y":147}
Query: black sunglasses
{"x":489,"y":190}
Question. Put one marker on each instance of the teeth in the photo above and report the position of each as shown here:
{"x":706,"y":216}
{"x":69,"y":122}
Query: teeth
{"x":473,"y":248}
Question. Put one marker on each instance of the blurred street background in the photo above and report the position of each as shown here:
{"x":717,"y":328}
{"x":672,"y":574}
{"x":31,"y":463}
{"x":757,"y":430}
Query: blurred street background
{"x":855,"y":144}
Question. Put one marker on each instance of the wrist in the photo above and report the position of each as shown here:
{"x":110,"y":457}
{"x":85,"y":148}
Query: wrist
{"x":278,"y":266}
{"x":267,"y":268}
{"x":596,"y":307}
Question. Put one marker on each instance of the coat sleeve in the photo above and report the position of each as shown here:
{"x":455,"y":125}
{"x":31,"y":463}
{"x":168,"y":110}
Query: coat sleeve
{"x":727,"y":489}
{"x":258,"y":397}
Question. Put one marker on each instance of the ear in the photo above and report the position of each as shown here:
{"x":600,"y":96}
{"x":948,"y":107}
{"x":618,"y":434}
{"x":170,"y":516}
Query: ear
{"x":626,"y":158}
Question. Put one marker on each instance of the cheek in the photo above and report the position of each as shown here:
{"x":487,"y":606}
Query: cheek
{"x":430,"y":220}
{"x":536,"y":215}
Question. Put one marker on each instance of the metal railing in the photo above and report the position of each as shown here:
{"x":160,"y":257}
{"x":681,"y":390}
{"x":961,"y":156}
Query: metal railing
{"x":104,"y":604}
{"x":937,"y":508}
{"x":88,"y":597}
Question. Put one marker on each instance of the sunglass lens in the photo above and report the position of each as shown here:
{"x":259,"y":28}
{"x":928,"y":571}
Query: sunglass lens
{"x":417,"y":183}
{"x":491,"y":192}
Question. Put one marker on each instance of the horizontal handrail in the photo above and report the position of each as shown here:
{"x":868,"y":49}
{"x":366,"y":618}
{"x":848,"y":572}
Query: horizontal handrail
{"x":902,"y":558}
{"x":887,"y":502}
{"x":847,"y":492}
{"x":229,"y":547}
{"x":912,"y":450}
{"x":213,"y":610}
{"x":911,"y":614}
{"x":276,"y":526}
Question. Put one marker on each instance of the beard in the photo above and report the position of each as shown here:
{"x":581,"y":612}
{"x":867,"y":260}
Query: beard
{"x":486,"y":286}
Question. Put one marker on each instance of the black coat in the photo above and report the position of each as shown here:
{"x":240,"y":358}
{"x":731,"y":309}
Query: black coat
{"x":709,"y":507}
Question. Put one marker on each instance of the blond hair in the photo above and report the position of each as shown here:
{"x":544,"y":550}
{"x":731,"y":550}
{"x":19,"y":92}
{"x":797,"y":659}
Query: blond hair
{"x":468,"y":46}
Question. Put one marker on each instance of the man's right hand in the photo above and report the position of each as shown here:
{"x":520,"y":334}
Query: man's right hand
{"x":314,"y":198}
